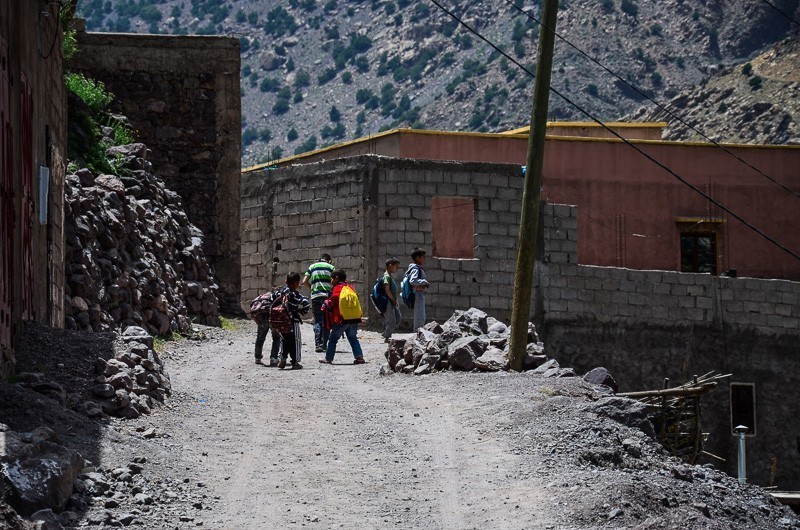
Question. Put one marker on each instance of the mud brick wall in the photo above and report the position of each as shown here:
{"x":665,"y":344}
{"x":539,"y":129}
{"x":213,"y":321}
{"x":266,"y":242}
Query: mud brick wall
{"x":27,"y":71}
{"x":181,"y":94}
{"x":648,"y":325}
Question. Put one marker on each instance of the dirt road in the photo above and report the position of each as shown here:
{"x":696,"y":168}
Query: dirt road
{"x":338,"y":447}
{"x":242,"y":446}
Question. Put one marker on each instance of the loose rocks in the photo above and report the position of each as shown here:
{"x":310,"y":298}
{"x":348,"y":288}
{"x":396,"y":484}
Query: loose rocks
{"x":132,"y":382}
{"x":132,"y":256}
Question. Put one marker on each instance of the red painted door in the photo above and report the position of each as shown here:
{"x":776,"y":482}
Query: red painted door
{"x":6,"y":201}
{"x":27,"y":206}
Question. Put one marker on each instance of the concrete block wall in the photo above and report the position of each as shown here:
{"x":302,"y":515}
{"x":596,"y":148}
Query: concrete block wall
{"x":290,"y":217}
{"x":645,"y":326}
{"x":405,"y":191}
{"x":662,"y":298}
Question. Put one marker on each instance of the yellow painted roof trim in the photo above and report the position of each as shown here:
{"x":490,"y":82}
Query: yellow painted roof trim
{"x":612,"y":124}
{"x":501,"y":136}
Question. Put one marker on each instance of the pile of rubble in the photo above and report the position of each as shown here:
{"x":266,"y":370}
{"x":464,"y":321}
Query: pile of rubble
{"x":128,"y":385}
{"x":132,"y":382}
{"x":469,"y":340}
{"x":132,"y":256}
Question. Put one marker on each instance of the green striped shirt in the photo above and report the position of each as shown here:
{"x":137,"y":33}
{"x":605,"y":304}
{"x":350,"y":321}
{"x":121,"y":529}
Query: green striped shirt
{"x":319,"y":276}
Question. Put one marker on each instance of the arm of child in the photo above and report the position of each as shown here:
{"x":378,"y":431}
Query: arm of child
{"x":388,"y":290}
{"x":415,"y":280}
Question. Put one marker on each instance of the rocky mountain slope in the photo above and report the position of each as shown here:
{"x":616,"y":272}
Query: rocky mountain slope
{"x":316,"y":72}
{"x":757,"y":102}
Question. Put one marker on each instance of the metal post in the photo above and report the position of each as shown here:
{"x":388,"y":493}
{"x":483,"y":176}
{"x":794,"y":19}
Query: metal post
{"x":529,"y":218}
{"x":741,"y":430}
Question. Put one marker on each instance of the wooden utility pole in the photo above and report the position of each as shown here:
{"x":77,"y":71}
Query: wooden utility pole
{"x":529,"y":218}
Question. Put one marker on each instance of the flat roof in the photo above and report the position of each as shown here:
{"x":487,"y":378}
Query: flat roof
{"x":502,"y":136}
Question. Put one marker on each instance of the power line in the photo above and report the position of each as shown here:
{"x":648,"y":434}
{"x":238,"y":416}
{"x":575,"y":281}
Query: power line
{"x":779,"y":10}
{"x":659,"y":105}
{"x":624,"y":140}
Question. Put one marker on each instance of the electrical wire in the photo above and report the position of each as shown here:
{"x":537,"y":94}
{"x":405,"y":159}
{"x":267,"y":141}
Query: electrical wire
{"x":652,"y":159}
{"x":782,"y":12}
{"x":656,"y":103}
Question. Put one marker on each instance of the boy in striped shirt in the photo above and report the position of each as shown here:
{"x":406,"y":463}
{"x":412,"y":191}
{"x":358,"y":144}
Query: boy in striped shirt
{"x":318,"y":277}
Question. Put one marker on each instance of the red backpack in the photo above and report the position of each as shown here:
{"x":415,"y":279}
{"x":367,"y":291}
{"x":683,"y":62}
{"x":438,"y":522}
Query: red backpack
{"x":280,"y":317}
{"x":261,"y":304}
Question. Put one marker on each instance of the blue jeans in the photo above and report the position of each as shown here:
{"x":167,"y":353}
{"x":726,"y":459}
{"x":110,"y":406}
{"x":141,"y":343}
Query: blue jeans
{"x":320,"y":331}
{"x":351,"y":332}
{"x":419,"y":310}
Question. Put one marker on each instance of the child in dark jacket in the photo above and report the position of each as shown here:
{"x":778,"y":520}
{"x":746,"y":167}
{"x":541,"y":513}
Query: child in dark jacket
{"x":339,"y":326}
{"x":298,"y":305}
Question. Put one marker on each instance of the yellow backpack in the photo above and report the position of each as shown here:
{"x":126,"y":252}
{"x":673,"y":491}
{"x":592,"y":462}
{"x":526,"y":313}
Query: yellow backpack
{"x":349,"y":305}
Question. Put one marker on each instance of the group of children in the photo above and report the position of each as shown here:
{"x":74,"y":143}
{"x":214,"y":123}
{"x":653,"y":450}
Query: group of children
{"x":335,"y":308}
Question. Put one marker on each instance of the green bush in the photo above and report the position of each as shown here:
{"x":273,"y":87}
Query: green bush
{"x":309,"y":144}
{"x":656,"y":30}
{"x":755,"y":82}
{"x":302,"y":79}
{"x":326,"y":76}
{"x":347,"y":78}
{"x":591,"y":89}
{"x":281,"y":106}
{"x":629,"y":8}
{"x":608,"y":5}
{"x":270,"y":84}
{"x":292,"y":135}
{"x":298,"y":97}
{"x":747,"y":69}
{"x":280,"y":22}
{"x":91,"y":92}
{"x":249,"y":136}
{"x":334,"y":114}
{"x":241,"y":17}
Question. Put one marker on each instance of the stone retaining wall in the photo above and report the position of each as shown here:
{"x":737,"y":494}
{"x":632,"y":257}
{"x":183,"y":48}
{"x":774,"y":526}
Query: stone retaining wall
{"x":181,"y":94}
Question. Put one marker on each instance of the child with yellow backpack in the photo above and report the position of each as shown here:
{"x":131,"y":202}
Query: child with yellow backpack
{"x":342,"y":315}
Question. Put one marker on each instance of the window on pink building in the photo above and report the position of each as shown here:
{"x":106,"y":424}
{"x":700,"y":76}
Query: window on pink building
{"x":452,"y":224}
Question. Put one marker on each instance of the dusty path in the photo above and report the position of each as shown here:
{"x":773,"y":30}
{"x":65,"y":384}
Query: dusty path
{"x":339,"y":447}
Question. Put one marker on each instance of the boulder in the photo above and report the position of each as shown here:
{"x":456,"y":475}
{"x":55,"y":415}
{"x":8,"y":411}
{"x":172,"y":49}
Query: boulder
{"x":601,"y":376}
{"x":394,"y":352}
{"x":137,"y":334}
{"x":433,"y":327}
{"x":552,"y":364}
{"x":422,"y":369}
{"x":401,"y":364}
{"x":463,"y":352}
{"x":46,"y":520}
{"x":531,"y":362}
{"x":451,"y":332}
{"x":472,"y":321}
{"x":38,"y":471}
{"x":103,"y":390}
{"x":625,"y":411}
{"x":493,"y":360}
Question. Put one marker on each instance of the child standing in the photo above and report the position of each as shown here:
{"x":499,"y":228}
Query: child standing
{"x":419,"y":283}
{"x":341,"y":324}
{"x":392,"y":314}
{"x":285,"y":318}
{"x":259,"y":311}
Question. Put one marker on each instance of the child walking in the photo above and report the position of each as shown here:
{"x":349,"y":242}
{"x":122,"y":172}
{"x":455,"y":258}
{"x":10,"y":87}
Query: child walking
{"x":419,"y":283}
{"x":285,"y":318}
{"x":392,"y":314}
{"x":342,"y":324}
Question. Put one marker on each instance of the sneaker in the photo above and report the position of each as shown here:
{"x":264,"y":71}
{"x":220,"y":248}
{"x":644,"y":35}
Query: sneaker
{"x":320,"y":349}
{"x":258,"y":360}
{"x":282,"y":363}
{"x":273,"y":361}
{"x":359,"y":360}
{"x":297,"y":366}
{"x":325,"y":361}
